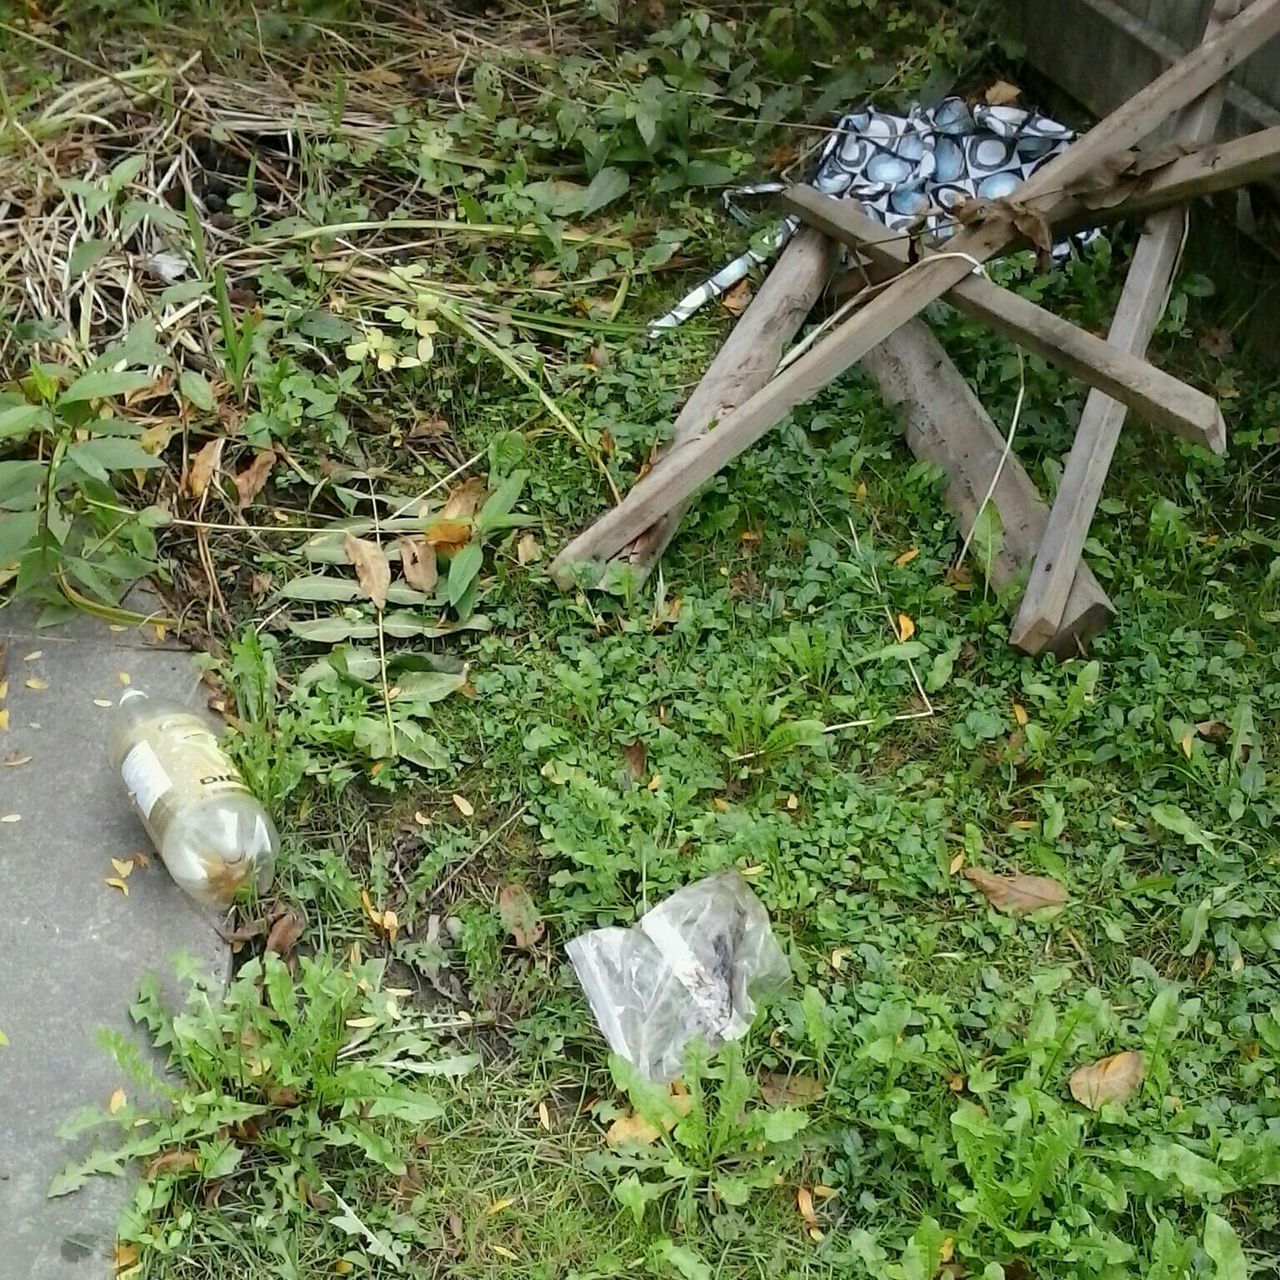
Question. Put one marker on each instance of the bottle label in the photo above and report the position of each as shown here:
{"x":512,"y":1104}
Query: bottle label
{"x":175,"y":762}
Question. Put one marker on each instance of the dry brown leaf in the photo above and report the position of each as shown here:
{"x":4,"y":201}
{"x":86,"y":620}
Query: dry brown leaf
{"x":528,"y":549}
{"x":1112,"y":1079}
{"x":906,"y":558}
{"x":175,"y":1161}
{"x":636,"y":754}
{"x":260,"y":584}
{"x":736,"y":300}
{"x":124,"y":1256}
{"x":372,"y":570}
{"x":464,"y":501}
{"x":418,"y":560}
{"x":1018,"y":894}
{"x":13,"y":760}
{"x":464,"y":806}
{"x":430,"y":428}
{"x":779,"y":1089}
{"x":204,"y":466}
{"x":285,"y":932}
{"x":250,"y":481}
{"x":906,"y":627}
{"x":1217,"y":342}
{"x":520,"y":916}
{"x":116,"y":1101}
{"x":1034,"y":225}
{"x":1002,"y":94}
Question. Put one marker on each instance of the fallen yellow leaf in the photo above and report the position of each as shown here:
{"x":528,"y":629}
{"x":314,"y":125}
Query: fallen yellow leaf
{"x":36,"y":683}
{"x":956,"y":863}
{"x":117,"y":883}
{"x":11,"y":817}
{"x":838,"y":957}
{"x":544,"y":1116}
{"x":824,"y":1193}
{"x":655,"y":782}
{"x":123,"y":866}
{"x":793,"y":802}
{"x":906,"y":557}
{"x":464,"y":806}
{"x":527,"y":549}
{"x":1001,"y":94}
{"x":33,"y":655}
{"x":498,"y":1205}
{"x":906,"y":628}
{"x":102,"y":702}
{"x":359,"y":1024}
{"x":421,"y":818}
{"x":1187,"y":743}
{"x":125,"y":1256}
{"x":633,"y":1128}
{"x":124,"y":678}
{"x":720,"y":804}
{"x":804,"y":1201}
{"x":4,"y":719}
{"x":503,"y":1252}
{"x":343,"y":1268}
{"x":116,"y":1101}
{"x":1020,"y":714}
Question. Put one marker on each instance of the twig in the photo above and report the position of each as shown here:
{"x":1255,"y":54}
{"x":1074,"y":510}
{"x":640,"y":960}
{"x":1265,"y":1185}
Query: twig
{"x":457,"y":869}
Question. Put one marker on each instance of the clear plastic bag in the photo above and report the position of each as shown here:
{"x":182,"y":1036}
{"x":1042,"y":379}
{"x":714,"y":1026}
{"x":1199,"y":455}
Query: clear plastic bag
{"x":694,"y":965}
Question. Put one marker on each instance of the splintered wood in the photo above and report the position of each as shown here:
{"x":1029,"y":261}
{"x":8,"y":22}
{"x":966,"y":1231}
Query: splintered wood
{"x":1098,"y":178}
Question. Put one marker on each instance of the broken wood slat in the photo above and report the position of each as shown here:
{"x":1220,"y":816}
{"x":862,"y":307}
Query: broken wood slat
{"x":1159,"y":396}
{"x":1145,"y":293}
{"x":946,"y":424}
{"x":745,"y":363}
{"x":686,"y":468}
{"x":1204,"y":172}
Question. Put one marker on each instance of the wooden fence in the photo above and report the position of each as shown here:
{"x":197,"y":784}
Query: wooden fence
{"x":1103,"y":51}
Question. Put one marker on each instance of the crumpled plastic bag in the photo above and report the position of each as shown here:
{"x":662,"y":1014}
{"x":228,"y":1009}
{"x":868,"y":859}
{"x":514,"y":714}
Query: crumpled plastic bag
{"x":694,"y":965}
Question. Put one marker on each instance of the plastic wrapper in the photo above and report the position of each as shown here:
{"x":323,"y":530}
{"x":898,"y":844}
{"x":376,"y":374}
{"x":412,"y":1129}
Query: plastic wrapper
{"x":694,"y":965}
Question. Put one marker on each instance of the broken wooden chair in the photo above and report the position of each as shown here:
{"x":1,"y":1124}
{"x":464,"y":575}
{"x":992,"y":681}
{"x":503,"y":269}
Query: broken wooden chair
{"x":743,"y":394}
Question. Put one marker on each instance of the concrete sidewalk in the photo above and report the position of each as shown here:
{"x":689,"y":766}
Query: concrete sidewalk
{"x":72,"y":948}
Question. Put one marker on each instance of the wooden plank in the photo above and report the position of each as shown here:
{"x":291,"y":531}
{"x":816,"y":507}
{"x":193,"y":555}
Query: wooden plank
{"x":678,"y":475}
{"x":946,"y":424}
{"x":744,"y":364}
{"x":1160,"y":397}
{"x":1145,"y":293}
{"x":1204,"y":172}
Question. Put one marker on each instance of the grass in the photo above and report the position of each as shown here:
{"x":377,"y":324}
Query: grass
{"x":433,"y":1098}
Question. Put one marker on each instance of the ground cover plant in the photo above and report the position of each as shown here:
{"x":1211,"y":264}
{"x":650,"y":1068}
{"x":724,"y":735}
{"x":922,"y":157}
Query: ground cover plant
{"x":331,"y":319}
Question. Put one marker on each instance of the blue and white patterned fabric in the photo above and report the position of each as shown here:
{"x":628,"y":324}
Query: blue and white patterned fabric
{"x":906,"y":171}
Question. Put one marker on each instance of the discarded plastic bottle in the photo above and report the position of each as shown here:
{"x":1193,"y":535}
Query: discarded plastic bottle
{"x":210,"y":831}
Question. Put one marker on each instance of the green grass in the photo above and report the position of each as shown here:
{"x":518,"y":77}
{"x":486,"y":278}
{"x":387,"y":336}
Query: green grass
{"x":931,"y":1037}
